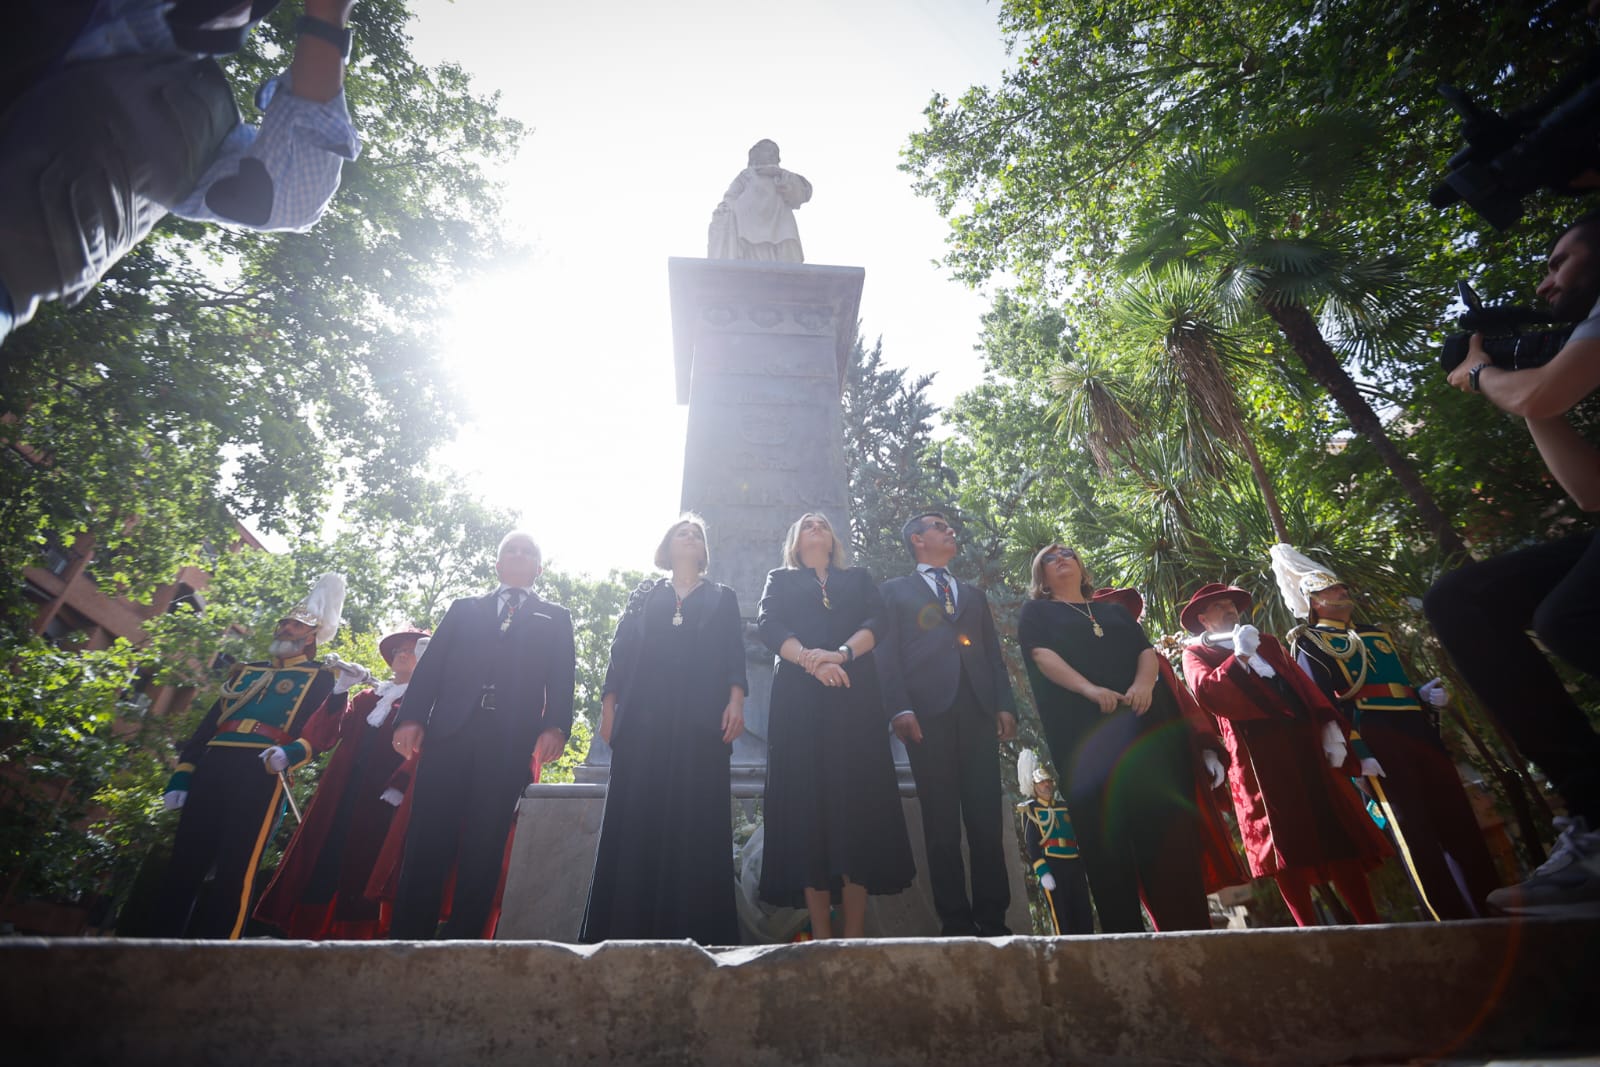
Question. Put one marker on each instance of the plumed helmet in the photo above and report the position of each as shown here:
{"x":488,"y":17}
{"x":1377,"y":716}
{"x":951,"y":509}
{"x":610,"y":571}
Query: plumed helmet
{"x":1299,"y":577}
{"x":1030,"y":772}
{"x":322,"y":608}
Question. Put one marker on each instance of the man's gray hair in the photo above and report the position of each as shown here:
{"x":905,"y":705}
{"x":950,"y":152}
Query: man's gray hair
{"x":538,"y":553}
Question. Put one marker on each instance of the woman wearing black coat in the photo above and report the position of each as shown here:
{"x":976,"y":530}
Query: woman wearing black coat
{"x":672,"y":706}
{"x":834,"y":829}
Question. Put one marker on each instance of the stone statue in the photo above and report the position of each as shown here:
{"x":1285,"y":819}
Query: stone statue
{"x":756,"y":217}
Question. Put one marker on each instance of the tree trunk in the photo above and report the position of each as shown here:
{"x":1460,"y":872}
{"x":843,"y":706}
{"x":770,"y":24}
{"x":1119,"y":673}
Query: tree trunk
{"x":1300,"y":329}
{"x":1264,"y":483}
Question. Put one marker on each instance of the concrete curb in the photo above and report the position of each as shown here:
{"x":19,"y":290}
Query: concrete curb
{"x":1322,"y":996}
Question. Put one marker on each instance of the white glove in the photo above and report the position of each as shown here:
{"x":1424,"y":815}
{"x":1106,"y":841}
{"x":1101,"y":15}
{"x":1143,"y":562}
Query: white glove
{"x":1371,"y":768}
{"x":1333,"y":744}
{"x":345,"y":674}
{"x":1048,"y":880}
{"x":275,"y":758}
{"x":1435,"y":693}
{"x":392,"y":797}
{"x":1246,"y":639}
{"x":1254,"y":662}
{"x":174,"y":799}
{"x":1214,"y":766}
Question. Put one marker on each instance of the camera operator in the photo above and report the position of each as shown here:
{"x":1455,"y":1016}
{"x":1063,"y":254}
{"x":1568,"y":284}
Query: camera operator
{"x":114,"y":113}
{"x":1483,"y":612}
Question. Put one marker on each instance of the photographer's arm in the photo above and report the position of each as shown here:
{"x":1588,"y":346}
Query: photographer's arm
{"x":1536,"y":392}
{"x":317,"y":72}
{"x":1574,"y":461}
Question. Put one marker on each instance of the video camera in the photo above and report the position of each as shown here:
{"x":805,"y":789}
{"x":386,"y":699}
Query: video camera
{"x":1543,"y":146}
{"x":1508,"y":348}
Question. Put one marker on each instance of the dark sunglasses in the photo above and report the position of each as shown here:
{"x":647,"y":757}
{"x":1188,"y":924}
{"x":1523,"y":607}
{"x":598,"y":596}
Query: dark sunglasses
{"x":1057,"y":554}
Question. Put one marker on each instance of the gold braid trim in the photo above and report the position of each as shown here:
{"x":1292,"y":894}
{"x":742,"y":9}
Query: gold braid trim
{"x":1315,"y":636}
{"x":234,"y":698}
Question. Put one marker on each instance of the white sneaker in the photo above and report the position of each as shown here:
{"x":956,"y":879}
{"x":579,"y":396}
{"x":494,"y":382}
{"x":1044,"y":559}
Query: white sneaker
{"x":1567,"y":884}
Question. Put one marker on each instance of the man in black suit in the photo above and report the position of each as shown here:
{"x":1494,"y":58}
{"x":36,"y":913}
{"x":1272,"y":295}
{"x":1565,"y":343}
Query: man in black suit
{"x":492,"y":696}
{"x":950,"y":699}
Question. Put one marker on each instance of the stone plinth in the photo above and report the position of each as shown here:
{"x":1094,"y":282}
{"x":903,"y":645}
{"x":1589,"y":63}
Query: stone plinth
{"x":1368,"y":995}
{"x":558,"y":830}
{"x":761,"y":350}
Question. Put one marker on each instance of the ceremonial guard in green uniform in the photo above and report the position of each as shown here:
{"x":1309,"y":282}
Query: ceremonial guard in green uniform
{"x":1052,"y":848}
{"x":232,"y":773}
{"x":1395,"y":735}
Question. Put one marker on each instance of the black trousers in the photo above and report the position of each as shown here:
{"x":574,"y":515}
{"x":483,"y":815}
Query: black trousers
{"x":1435,"y":816}
{"x":1482,"y":614}
{"x":462,"y":804}
{"x":957,"y":770}
{"x":1130,"y":788}
{"x":1070,"y":910}
{"x":232,"y":808}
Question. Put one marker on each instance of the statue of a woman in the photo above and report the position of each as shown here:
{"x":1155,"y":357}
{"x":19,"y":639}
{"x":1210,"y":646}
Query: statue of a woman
{"x":756,"y":217}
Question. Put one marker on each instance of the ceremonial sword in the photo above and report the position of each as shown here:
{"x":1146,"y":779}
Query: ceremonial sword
{"x":1400,"y":839}
{"x":283,"y":777}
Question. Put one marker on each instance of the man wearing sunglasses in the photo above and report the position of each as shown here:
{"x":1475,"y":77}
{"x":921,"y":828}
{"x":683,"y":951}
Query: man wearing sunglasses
{"x":950,"y":701}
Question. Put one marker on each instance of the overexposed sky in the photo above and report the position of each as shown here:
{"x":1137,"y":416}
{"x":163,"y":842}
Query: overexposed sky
{"x":640,"y":115}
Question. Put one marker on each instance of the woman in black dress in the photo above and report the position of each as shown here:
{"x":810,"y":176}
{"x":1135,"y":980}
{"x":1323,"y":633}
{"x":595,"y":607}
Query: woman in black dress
{"x":1121,"y":745}
{"x":834,"y":828}
{"x":672,"y":706}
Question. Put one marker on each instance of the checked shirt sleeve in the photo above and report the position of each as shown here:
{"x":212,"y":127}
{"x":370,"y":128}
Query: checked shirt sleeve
{"x":302,"y":144}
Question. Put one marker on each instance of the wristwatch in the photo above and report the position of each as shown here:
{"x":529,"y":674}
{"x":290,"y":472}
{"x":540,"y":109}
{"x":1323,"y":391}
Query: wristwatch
{"x":338,"y":36}
{"x":1472,"y":376}
{"x":847,"y":652}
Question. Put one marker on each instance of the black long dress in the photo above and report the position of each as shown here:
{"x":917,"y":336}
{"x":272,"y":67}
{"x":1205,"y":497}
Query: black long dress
{"x":1129,"y":778}
{"x":832,"y":804}
{"x":664,"y":866}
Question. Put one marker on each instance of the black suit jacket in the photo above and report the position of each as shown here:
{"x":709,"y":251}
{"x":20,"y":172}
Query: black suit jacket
{"x":532,"y":666}
{"x":923,"y":650}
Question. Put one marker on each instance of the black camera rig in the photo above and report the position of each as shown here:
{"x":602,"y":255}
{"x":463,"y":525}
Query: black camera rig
{"x":1546,"y":145}
{"x":1503,"y":340}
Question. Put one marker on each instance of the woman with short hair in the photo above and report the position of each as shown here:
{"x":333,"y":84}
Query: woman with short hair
{"x":834,"y":829}
{"x":673,"y":703}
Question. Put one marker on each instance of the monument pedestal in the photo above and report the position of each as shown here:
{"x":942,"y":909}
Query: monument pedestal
{"x":558,"y":830}
{"x":761,"y":351}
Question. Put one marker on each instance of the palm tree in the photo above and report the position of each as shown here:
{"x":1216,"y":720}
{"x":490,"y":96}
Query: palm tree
{"x":1262,"y":224}
{"x":1190,"y":361}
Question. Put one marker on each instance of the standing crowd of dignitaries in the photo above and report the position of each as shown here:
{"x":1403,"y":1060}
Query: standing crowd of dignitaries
{"x":408,"y":833}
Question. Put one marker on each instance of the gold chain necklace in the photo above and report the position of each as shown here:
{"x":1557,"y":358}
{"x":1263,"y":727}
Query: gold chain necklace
{"x":1087,"y":611}
{"x":677,"y":612}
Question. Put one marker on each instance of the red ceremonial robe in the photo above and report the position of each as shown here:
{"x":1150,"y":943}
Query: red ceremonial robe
{"x":385,"y":881}
{"x":1218,"y":860}
{"x":1294,"y":810}
{"x":345,"y":814}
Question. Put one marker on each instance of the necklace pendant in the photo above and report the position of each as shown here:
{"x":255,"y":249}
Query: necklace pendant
{"x":826,"y":603}
{"x":1097,"y":631}
{"x":677,"y":618}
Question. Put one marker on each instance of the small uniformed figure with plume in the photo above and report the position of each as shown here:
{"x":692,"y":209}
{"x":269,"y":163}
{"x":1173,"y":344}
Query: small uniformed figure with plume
{"x":231,"y":780}
{"x":1052,"y":849}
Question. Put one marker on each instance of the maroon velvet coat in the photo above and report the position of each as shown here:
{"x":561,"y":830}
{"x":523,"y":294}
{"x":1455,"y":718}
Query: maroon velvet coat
{"x":1294,"y":810}
{"x":362,"y":766}
{"x":1219,"y":863}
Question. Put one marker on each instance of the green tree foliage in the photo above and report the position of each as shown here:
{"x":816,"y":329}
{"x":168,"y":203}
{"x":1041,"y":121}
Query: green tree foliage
{"x":1172,"y":183}
{"x":217,"y":371}
{"x":895,"y":467}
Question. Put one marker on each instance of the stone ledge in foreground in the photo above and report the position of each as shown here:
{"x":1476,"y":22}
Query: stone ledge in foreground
{"x":1346,"y":995}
